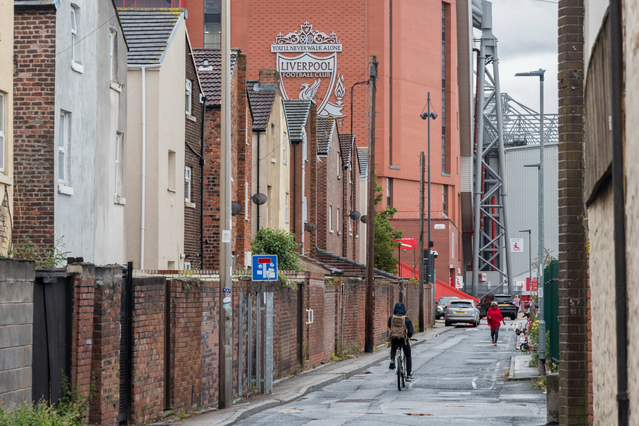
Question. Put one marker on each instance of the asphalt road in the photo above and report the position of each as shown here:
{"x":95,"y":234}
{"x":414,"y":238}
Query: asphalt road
{"x":458,"y":379}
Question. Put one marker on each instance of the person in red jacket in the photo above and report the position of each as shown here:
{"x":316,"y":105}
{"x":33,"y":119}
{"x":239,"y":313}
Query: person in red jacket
{"x":494,"y":318}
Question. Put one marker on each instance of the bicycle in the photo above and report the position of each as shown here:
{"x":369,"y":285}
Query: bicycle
{"x":400,"y":360}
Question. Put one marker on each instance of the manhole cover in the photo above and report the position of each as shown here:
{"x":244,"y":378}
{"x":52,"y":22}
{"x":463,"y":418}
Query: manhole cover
{"x":356,"y":401}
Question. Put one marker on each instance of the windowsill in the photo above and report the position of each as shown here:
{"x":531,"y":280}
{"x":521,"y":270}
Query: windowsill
{"x":394,"y":167}
{"x":171,"y":190}
{"x":273,"y":160}
{"x":189,"y":204}
{"x":7,"y":180}
{"x":116,"y":86}
{"x":65,"y":190}
{"x":120,"y":201}
{"x":446,"y":174}
{"x":350,"y":234}
{"x":331,"y":231}
{"x":190,"y":117}
{"x":77,"y":67}
{"x":356,"y":236}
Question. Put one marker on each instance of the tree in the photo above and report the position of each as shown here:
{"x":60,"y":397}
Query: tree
{"x":277,"y":242}
{"x":385,"y":235}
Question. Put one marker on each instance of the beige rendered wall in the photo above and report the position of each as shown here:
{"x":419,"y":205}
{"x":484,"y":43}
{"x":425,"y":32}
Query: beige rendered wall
{"x":274,"y":172}
{"x":6,"y":87}
{"x":631,"y":35}
{"x":363,"y":205}
{"x":602,"y":290}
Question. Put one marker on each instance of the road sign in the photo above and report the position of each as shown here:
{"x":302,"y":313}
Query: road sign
{"x":264,"y":268}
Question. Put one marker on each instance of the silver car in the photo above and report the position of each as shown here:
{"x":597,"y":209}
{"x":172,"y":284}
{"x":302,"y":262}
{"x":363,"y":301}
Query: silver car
{"x":462,"y":311}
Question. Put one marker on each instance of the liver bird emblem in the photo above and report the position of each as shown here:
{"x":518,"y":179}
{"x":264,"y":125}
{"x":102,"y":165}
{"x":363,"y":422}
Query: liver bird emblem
{"x":308,"y":92}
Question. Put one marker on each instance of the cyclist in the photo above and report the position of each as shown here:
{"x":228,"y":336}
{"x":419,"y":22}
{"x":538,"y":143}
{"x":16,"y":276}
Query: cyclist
{"x":401,"y":330}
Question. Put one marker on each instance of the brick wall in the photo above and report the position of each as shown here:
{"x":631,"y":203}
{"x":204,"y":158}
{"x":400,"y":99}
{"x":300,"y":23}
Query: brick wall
{"x":105,"y":362}
{"x":330,"y":199}
{"x":16,"y":331}
{"x":212,"y":129}
{"x":573,"y":289}
{"x":244,"y":124}
{"x":34,"y":118}
{"x":193,"y":129}
{"x":210,"y":338}
{"x":147,"y":391}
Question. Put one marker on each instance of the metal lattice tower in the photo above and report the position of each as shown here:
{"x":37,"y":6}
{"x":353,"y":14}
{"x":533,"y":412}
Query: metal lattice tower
{"x":490,"y":206}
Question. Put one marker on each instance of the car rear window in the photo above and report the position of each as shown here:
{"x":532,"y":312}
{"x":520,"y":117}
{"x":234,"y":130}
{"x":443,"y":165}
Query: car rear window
{"x":445,"y":300}
{"x":503,"y":299}
{"x":464,"y":305}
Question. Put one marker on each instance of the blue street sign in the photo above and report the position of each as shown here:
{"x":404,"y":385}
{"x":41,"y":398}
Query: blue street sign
{"x":264,"y":268}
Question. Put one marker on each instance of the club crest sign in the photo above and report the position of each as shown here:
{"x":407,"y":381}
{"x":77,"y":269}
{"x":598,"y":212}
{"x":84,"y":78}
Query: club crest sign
{"x":307,"y":63}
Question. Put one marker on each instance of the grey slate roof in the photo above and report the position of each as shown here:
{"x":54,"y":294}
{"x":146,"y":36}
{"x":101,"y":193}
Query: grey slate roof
{"x":296,"y":112}
{"x":261,"y":99}
{"x":24,"y":4}
{"x":362,"y":156}
{"x":346,"y":143}
{"x":211,"y":74}
{"x":350,"y":267}
{"x":325,"y":127}
{"x":148,"y":33}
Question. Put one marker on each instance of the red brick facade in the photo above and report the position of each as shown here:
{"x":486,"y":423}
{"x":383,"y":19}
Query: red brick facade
{"x":192,"y":153}
{"x":34,"y":123}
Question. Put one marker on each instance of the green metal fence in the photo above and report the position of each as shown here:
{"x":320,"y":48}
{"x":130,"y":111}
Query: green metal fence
{"x":551,"y":307}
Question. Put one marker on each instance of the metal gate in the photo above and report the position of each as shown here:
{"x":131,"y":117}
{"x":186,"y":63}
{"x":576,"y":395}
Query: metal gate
{"x":258,"y":310}
{"x":52,"y":307}
{"x":126,"y":342}
{"x":551,"y":308}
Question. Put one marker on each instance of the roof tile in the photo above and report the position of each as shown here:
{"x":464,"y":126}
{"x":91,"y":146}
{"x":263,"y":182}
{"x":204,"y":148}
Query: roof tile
{"x":296,"y":112}
{"x":325,"y":127}
{"x":209,"y":68}
{"x":261,"y":99}
{"x":148,"y":33}
{"x":362,"y":156}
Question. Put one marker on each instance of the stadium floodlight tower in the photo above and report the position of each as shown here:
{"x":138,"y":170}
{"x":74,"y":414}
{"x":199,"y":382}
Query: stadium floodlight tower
{"x":490,"y":231}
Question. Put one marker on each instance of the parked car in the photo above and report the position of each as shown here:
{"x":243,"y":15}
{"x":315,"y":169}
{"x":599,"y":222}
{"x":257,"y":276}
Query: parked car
{"x":462,"y":311}
{"x":442,"y":304}
{"x":506,"y":305}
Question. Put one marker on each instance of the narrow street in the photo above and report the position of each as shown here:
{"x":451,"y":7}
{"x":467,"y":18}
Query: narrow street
{"x":458,"y":379}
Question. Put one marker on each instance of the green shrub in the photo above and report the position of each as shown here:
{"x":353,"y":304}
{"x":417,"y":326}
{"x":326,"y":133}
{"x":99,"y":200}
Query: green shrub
{"x":280,"y":243}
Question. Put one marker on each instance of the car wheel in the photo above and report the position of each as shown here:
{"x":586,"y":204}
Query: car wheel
{"x":447,"y":323}
{"x":513,"y":317}
{"x":475,"y":323}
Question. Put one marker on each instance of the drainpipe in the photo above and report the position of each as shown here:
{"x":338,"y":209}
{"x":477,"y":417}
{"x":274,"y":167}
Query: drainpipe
{"x":616,"y":81}
{"x":202,"y":162}
{"x":304,"y":207}
{"x":294,"y":188}
{"x":143,"y":167}
{"x":258,"y":179}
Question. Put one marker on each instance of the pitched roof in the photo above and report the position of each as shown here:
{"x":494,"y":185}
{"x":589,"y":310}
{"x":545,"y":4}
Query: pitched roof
{"x":296,"y":112}
{"x":149,"y":33}
{"x":350,"y":267}
{"x":24,"y":4}
{"x":346,"y":143}
{"x":261,"y":99}
{"x":362,"y":156}
{"x":325,"y":127}
{"x":209,"y":69}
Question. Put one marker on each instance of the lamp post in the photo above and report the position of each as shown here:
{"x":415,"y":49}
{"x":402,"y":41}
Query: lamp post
{"x":429,"y":273}
{"x":529,"y":257}
{"x":540,"y":260}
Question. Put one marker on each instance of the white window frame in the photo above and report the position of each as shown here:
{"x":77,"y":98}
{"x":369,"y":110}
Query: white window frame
{"x":286,"y":208}
{"x":63,"y":147}
{"x":283,"y":148}
{"x":74,"y":30}
{"x":188,"y":173}
{"x":189,"y":96}
{"x":2,"y":131}
{"x":246,"y":201}
{"x":330,"y":219}
{"x":350,"y":227}
{"x":113,"y":52}
{"x":338,"y":165}
{"x":117,"y":162}
{"x":337,"y":222}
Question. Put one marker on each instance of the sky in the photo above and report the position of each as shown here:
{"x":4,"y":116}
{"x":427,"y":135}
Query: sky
{"x":527,"y":40}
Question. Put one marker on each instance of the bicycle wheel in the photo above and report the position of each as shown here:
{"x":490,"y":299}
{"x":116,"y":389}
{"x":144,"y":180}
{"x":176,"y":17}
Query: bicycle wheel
{"x":403,"y":374}
{"x":400,"y":372}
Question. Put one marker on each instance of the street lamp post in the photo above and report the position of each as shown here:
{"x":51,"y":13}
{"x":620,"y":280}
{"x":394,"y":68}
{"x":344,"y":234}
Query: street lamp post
{"x":428,"y":116}
{"x":529,"y":257}
{"x":540,"y":260}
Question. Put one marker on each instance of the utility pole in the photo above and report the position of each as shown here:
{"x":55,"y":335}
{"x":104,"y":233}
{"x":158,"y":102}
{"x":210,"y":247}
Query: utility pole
{"x":541,"y":262}
{"x":370,"y":219}
{"x":226,"y":319}
{"x":421,"y":241}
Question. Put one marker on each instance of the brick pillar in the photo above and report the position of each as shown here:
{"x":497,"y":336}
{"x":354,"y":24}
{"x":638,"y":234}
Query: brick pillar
{"x":573,"y":289}
{"x":105,"y":365}
{"x":82,"y":326}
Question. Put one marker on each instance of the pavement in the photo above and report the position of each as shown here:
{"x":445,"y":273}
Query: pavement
{"x":459,"y":377}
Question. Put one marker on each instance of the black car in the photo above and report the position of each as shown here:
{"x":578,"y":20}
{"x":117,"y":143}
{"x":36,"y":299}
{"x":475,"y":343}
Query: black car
{"x":506,"y":305}
{"x":442,"y":303}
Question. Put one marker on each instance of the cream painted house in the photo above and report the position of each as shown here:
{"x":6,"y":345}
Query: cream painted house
{"x":271,"y":174}
{"x":6,"y":122}
{"x":156,"y":136}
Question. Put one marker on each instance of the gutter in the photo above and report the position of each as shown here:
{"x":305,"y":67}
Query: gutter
{"x":619,"y":206}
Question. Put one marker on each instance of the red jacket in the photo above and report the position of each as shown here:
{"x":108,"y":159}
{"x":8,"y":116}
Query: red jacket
{"x":494,"y":317}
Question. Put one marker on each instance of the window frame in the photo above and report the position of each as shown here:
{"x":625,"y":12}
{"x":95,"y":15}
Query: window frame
{"x":171,"y":171}
{"x":337,"y":222}
{"x":118,"y":163}
{"x":286,"y":208}
{"x":445,"y":200}
{"x":188,"y":174}
{"x":64,"y":136}
{"x":330,"y":219}
{"x":284,"y":148}
{"x":113,"y":54}
{"x":74,"y":30}
{"x":388,"y":192}
{"x":189,"y":96}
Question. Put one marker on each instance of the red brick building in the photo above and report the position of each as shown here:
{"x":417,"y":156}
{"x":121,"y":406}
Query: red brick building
{"x":208,"y":62}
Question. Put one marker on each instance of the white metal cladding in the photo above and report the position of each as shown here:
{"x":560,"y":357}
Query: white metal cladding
{"x":523,"y":190}
{"x":466,"y":164}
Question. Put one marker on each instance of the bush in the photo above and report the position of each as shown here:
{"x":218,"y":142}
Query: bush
{"x":280,"y":243}
{"x":26,"y":249}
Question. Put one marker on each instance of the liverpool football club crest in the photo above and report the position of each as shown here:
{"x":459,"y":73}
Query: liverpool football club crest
{"x":307,"y":63}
